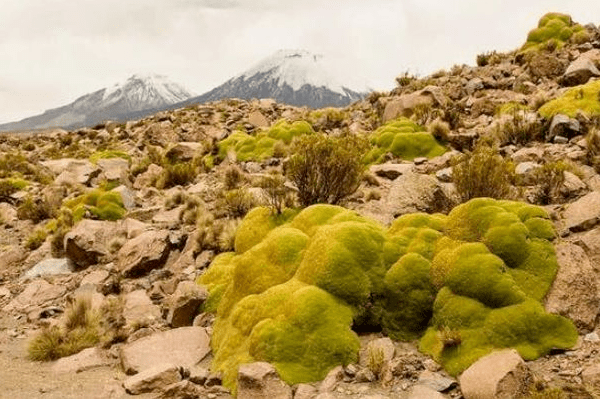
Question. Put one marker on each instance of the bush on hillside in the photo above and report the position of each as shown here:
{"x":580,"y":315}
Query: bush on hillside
{"x":9,"y":186}
{"x":466,"y":283}
{"x":107,"y":154}
{"x":96,"y":204}
{"x":483,"y":173}
{"x":326,"y":169}
{"x":404,"y":139}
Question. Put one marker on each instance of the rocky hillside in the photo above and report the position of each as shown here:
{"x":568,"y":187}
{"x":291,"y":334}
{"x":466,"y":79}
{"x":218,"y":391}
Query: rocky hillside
{"x":191,"y":253}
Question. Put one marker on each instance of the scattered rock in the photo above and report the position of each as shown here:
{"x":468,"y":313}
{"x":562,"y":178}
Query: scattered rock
{"x":146,"y":252}
{"x":260,"y":380}
{"x":49,"y":267}
{"x":525,"y":171}
{"x":334,"y":376}
{"x":87,"y":359}
{"x":184,"y":390}
{"x":575,"y":293}
{"x":148,"y":178}
{"x":305,"y":391}
{"x":154,"y":378}
{"x":72,"y":171}
{"x":87,"y":243}
{"x":95,"y":278}
{"x":499,"y":375}
{"x":444,"y":175}
{"x":257,"y":119}
{"x":185,"y":346}
{"x":139,"y":309}
{"x":184,"y":151}
{"x":127,"y":196}
{"x":391,"y":171}
{"x":185,"y":304}
{"x":582,"y":69}
{"x":383,"y":345}
{"x":436,"y":381}
{"x":582,"y":214}
{"x":591,"y":375}
{"x":114,"y":169}
{"x":36,"y":293}
{"x":563,"y":126}
{"x":572,"y":186}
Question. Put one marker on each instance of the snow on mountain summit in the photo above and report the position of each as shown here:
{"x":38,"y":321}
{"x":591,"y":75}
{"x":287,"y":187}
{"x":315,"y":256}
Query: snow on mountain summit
{"x":295,"y":77}
{"x":297,"y":68}
{"x":137,"y":96}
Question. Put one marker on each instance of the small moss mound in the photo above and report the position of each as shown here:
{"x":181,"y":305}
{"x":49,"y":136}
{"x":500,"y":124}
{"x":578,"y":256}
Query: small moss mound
{"x":97,"y":204}
{"x":262,"y":146}
{"x":584,"y":98}
{"x":405,"y":139}
{"x":95,"y":157}
{"x":555,"y":27}
{"x":465,"y":284}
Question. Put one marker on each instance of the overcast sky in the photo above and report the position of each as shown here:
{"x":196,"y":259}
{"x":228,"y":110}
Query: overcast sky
{"x":53,"y":51}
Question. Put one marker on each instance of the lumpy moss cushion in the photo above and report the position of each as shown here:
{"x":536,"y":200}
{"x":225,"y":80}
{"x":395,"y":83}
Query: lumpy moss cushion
{"x":465,"y":284}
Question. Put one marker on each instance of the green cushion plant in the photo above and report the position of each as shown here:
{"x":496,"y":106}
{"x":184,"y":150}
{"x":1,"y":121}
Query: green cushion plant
{"x":405,"y":139}
{"x":555,"y":27}
{"x":465,"y":284}
{"x":584,"y":98}
{"x":261,"y":146}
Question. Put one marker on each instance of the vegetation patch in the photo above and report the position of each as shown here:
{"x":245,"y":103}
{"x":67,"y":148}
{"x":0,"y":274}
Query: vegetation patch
{"x":553,"y":30}
{"x":466,"y":284}
{"x":262,"y":146}
{"x":404,"y":139}
{"x":97,"y":204}
{"x":584,"y":98}
{"x":95,"y":157}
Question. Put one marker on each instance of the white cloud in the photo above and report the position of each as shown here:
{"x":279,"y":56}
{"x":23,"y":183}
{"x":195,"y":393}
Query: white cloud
{"x":56,"y":50}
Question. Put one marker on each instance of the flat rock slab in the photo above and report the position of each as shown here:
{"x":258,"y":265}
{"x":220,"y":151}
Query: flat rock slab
{"x":49,"y":267}
{"x":36,"y":293}
{"x":184,"y":347}
{"x":87,"y":359}
{"x":146,"y":252}
{"x":583,"y":214}
{"x":155,"y":378}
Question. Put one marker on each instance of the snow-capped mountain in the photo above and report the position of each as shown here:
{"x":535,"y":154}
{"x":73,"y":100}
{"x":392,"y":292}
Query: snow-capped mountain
{"x":138,"y":95}
{"x":295,"y":77}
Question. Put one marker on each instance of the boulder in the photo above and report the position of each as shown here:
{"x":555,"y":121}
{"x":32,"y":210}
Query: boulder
{"x":260,"y":380}
{"x":591,"y":376}
{"x":127,"y":196}
{"x":133,"y":227}
{"x":305,"y":391}
{"x":563,"y":126}
{"x":474,"y":85}
{"x":499,"y":375}
{"x":257,"y":119}
{"x":49,"y":267}
{"x":187,"y":390}
{"x":87,"y":359}
{"x":542,"y":65}
{"x":575,"y":292}
{"x":185,"y":304}
{"x":383,"y":345}
{"x":404,"y":105}
{"x":95,"y":278}
{"x":146,"y":252}
{"x":155,"y":378}
{"x":582,"y":214}
{"x":36,"y":293}
{"x":413,"y":192}
{"x":528,"y":154}
{"x":572,"y":186}
{"x":72,"y":171}
{"x":184,"y":151}
{"x":526,"y":172}
{"x":184,"y":347}
{"x":87,"y":243}
{"x":436,"y":381}
{"x":149,"y":177}
{"x":139,"y":309}
{"x":331,"y":380}
{"x":114,"y":169}
{"x":582,"y":69}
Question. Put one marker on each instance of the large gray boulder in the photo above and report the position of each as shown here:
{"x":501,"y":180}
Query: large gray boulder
{"x":184,"y":347}
{"x":72,"y":171}
{"x":582,"y":69}
{"x":185,"y":304}
{"x":499,"y":375}
{"x":582,"y":214}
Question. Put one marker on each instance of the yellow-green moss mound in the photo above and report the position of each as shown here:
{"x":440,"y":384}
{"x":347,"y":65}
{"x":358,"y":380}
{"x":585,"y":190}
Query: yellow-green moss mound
{"x":466,"y":283}
{"x":100,"y":204}
{"x":584,"y":98}
{"x":262,"y":146}
{"x":555,"y":27}
{"x":405,"y":139}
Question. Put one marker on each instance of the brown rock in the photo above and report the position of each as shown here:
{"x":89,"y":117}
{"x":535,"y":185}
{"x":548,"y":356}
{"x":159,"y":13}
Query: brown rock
{"x":383,"y":345}
{"x":144,"y":253}
{"x":87,"y":359}
{"x":334,"y":376}
{"x":114,"y":169}
{"x":148,"y":178}
{"x":72,"y":171}
{"x":185,"y":304}
{"x":185,"y":346}
{"x":582,"y":69}
{"x":575,"y":293}
{"x":499,"y":375}
{"x":184,"y":390}
{"x":424,"y":392}
{"x":546,"y":65}
{"x":87,"y":243}
{"x":36,"y":293}
{"x":260,"y":380}
{"x":305,"y":391}
{"x":405,"y":104}
{"x":152,"y":379}
{"x":591,"y":376}
{"x":184,"y":151}
{"x":391,"y":171}
{"x":582,"y":214}
{"x":257,"y":119}
{"x":139,"y":309}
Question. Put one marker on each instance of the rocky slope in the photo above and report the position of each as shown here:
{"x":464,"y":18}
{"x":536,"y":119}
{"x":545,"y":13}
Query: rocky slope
{"x":170,"y":229}
{"x":137,"y":96}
